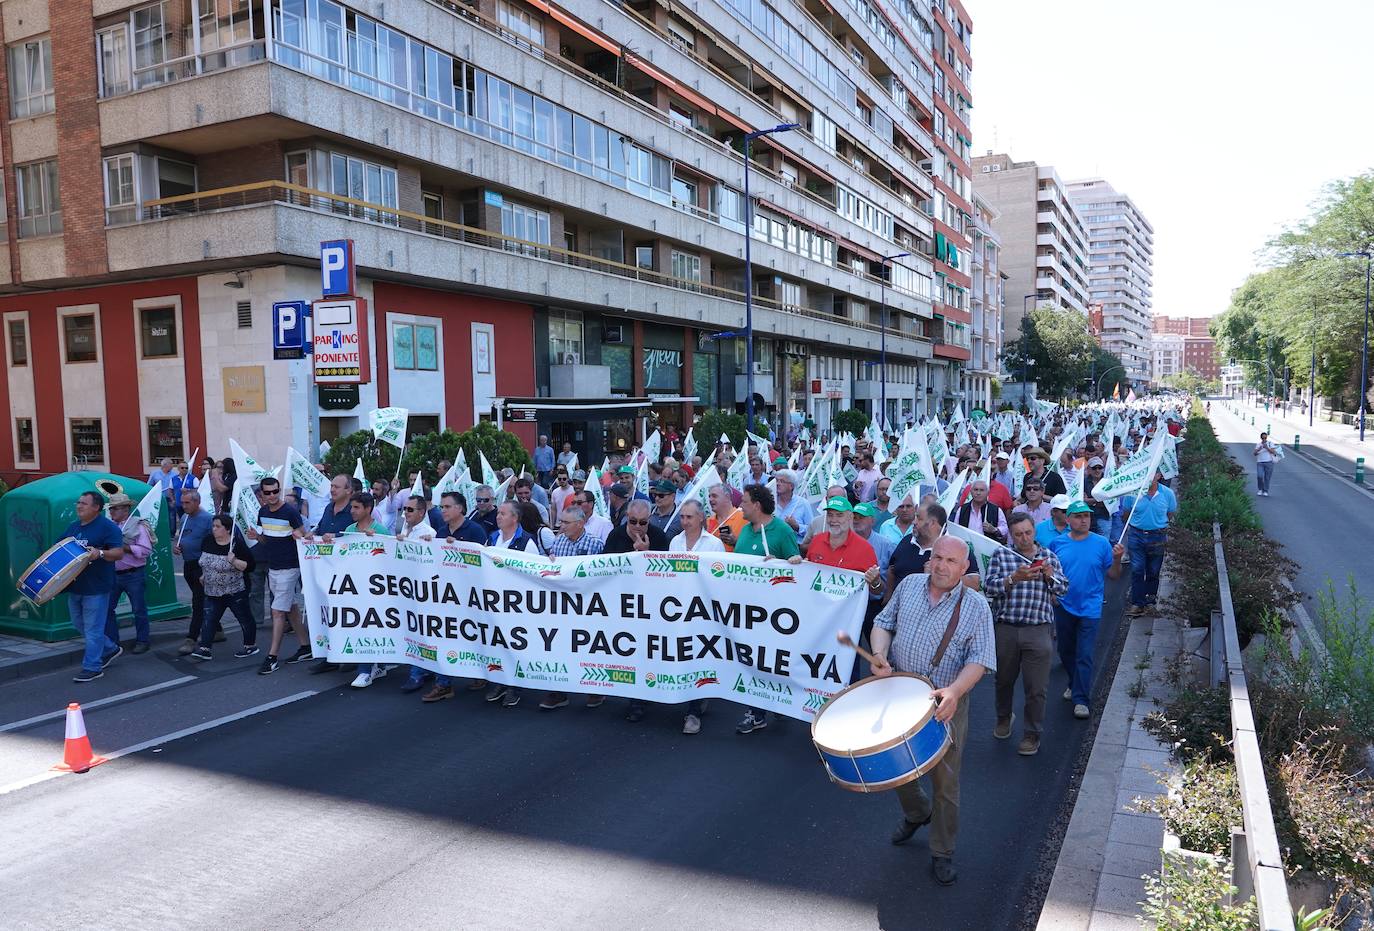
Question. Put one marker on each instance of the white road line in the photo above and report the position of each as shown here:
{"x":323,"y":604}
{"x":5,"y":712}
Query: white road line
{"x":87,"y":706}
{"x":167,"y":738}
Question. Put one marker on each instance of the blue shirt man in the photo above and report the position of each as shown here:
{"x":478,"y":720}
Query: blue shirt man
{"x":543,"y":460}
{"x":88,"y":595}
{"x":1152,"y":509}
{"x":1087,"y":560}
{"x":1145,"y":541}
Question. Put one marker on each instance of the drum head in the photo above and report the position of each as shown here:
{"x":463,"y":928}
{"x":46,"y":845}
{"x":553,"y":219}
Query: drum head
{"x":872,"y":713}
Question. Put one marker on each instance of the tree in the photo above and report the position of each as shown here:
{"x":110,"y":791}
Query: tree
{"x":850,"y":421}
{"x":1059,"y":348}
{"x":424,"y":453}
{"x":712,"y":424}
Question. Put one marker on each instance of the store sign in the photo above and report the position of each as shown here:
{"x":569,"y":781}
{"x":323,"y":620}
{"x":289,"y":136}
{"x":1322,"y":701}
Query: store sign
{"x":338,"y":397}
{"x":340,"y":355}
{"x":245,"y":389}
{"x":522,"y":414}
{"x":827,"y":387}
{"x":663,"y":368}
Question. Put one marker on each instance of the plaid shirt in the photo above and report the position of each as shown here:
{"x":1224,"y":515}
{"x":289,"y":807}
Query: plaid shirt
{"x":918,"y":627}
{"x":585,"y":545}
{"x":1027,"y":602}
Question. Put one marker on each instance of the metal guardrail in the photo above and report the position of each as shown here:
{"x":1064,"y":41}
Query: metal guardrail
{"x":1256,"y":863}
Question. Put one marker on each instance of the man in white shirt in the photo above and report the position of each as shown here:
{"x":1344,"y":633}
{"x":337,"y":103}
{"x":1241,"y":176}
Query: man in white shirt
{"x":1266,"y":454}
{"x":866,"y":482}
{"x":694,"y":538}
{"x":596,"y":525}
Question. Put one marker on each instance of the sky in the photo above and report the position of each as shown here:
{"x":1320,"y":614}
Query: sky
{"x":1221,"y":119}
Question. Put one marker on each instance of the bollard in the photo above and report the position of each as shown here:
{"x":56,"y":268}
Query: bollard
{"x":1359,"y":470}
{"x":1268,"y":428}
{"x":1297,"y":441}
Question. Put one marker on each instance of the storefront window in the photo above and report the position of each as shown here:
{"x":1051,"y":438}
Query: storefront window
{"x":705,"y":366}
{"x":618,"y":358}
{"x":663,"y":369}
{"x":164,"y":439}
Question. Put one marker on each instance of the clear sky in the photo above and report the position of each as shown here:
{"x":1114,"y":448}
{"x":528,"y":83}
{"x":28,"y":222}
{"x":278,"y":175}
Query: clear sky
{"x":1221,"y":119}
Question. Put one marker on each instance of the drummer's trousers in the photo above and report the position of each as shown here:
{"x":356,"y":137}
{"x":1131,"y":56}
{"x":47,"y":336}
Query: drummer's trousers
{"x":942,"y":805}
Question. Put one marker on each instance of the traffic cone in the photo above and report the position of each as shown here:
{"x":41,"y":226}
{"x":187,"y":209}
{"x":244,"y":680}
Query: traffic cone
{"x":76,"y":751}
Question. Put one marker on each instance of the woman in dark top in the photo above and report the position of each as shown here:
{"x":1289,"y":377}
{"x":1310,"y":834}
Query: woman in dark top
{"x":224,"y":559}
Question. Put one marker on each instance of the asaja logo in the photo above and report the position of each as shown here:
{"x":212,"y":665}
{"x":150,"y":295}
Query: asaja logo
{"x":453,"y":556}
{"x":368,"y":646}
{"x":836,"y":583}
{"x":668,"y":566}
{"x":597,"y":566}
{"x":761,"y":688}
{"x":745,"y":572}
{"x":412,"y":551}
{"x":542,"y":671}
{"x":718,"y":569}
{"x":599,"y":674}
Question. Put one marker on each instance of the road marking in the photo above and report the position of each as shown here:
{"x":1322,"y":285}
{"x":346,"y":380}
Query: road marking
{"x":1309,"y":630}
{"x":99,"y":702}
{"x":167,"y":738}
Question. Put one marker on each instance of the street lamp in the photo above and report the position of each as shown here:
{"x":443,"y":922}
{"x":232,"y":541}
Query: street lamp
{"x":749,"y":269}
{"x":1364,"y":352}
{"x":1097,"y":392}
{"x":882,"y":281}
{"x":1312,"y":376}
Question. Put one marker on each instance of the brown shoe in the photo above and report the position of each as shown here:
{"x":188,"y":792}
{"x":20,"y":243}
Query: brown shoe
{"x":1029,"y":745}
{"x":1003,"y":729}
{"x":438,"y":693}
{"x":477,"y":685}
{"x":187,"y":646}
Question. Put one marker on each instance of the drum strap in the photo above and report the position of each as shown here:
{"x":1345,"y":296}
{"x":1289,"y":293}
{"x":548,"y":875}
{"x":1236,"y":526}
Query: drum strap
{"x":949,"y":631}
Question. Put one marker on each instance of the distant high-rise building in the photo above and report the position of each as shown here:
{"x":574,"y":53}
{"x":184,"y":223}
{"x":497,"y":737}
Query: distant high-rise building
{"x":1199,"y":350}
{"x":1121,"y":263}
{"x":1044,"y":245}
{"x":986,"y":300}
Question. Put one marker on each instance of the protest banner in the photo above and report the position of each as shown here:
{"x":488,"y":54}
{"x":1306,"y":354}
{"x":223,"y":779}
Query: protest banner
{"x":665,"y":627}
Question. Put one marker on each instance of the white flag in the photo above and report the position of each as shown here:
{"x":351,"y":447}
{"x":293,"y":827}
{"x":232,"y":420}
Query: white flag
{"x":652,"y":447}
{"x":984,"y":548}
{"x":359,"y":474}
{"x":389,"y":425}
{"x":1137,"y":473}
{"x":418,"y":489}
{"x":689,"y":447}
{"x":301,"y":473}
{"x":911,"y":469}
{"x":246,"y":466}
{"x":245,"y":506}
{"x":149,"y":509}
{"x":447,"y":482}
{"x":599,"y":503}
{"x":949,"y":498}
{"x":488,"y":473}
{"x":739,"y":470}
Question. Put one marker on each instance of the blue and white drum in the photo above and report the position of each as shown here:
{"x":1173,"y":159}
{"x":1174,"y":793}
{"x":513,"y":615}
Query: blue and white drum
{"x":52,"y":572}
{"x":880,"y":733}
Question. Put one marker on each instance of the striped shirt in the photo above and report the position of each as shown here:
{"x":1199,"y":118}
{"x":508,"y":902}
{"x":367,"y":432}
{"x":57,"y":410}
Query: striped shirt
{"x":918,"y":626}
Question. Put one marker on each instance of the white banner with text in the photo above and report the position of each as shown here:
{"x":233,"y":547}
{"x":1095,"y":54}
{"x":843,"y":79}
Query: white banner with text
{"x":664,"y":627}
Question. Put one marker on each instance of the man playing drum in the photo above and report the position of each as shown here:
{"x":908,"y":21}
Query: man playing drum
{"x":936,"y":627}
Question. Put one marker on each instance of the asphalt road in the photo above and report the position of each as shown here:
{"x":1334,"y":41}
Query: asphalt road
{"x":1321,"y":518}
{"x":342,"y":808}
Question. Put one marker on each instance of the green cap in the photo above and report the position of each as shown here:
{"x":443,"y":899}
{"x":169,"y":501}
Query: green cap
{"x":780,"y":461}
{"x":838,"y":504}
{"x":867,"y":509}
{"x":662,"y":486}
{"x":1080,"y":507}
{"x":625,"y":470}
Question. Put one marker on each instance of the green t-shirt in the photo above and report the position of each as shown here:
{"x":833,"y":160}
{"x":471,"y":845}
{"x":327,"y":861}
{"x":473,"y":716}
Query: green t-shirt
{"x":782,"y":542}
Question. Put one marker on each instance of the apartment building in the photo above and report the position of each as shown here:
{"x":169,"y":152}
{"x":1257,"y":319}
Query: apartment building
{"x":1044,"y":244}
{"x":1120,"y":270}
{"x":1199,"y":349}
{"x":1166,"y":356}
{"x":546,"y":205}
{"x":987,"y":301}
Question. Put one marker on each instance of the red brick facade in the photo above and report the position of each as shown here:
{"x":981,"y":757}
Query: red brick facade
{"x":78,"y":128}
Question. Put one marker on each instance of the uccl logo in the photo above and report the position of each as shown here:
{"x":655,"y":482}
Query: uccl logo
{"x":661,"y":566}
{"x":815,"y":701}
{"x":456,"y":557}
{"x":316,"y":550}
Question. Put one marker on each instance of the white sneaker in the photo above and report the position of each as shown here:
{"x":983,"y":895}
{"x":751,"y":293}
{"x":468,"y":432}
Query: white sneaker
{"x":1081,"y":711}
{"x":1068,"y":695}
{"x":691,"y":724}
{"x":363,"y":681}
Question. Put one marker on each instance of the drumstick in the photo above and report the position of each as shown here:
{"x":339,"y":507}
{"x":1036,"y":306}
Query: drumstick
{"x":845,"y":640}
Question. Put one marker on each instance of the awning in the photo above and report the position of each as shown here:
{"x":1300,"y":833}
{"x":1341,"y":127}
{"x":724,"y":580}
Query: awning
{"x":531,"y":410}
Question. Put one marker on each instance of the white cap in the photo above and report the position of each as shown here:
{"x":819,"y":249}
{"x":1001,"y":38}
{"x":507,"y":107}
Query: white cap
{"x":1060,"y":503}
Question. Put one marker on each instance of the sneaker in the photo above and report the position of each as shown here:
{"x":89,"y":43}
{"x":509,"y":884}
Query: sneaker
{"x":691,"y":724}
{"x":751,"y":722}
{"x":140,"y":647}
{"x":1029,"y":745}
{"x":438,"y":693}
{"x":1135,"y":610}
{"x":942,"y":868}
{"x":323,"y":665}
{"x":201,"y":653}
{"x":512,"y":698}
{"x":412,"y":685}
{"x":594,"y":701}
{"x":301,"y":655}
{"x":87,"y":675}
{"x":110,"y":657}
{"x":1068,"y":695}
{"x":246,"y":651}
{"x":187,"y":646}
{"x":496,"y":691}
{"x":553,"y":701}
{"x":363,"y":680}
{"x":1003,"y":729}
{"x":1081,"y":712}
{"x":269,"y":666}
{"x":380,"y":671}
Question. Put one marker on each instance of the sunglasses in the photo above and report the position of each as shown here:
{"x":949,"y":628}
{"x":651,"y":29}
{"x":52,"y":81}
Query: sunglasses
{"x":637,"y":523}
{"x":483,"y":500}
{"x":274,"y":492}
{"x":411,"y":510}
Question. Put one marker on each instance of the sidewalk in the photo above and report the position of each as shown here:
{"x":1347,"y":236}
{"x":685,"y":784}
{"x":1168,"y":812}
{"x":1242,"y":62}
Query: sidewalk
{"x":1099,"y":880}
{"x":20,"y":656}
{"x":1294,"y":423}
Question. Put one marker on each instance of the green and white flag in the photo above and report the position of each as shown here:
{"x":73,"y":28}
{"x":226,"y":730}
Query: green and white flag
{"x":447,"y":482}
{"x":301,"y":473}
{"x":359,"y":474}
{"x":1136,"y":474}
{"x":599,"y":504}
{"x":739,"y":471}
{"x":244,"y":508}
{"x":1018,"y":473}
{"x":949,"y":498}
{"x":488,"y":473}
{"x":983,"y":547}
{"x":652,"y":447}
{"x":642,"y":476}
{"x":935,"y":442}
{"x":246,"y":466}
{"x":149,"y":510}
{"x":911,"y":469}
{"x":389,"y":425}
{"x":689,"y":447}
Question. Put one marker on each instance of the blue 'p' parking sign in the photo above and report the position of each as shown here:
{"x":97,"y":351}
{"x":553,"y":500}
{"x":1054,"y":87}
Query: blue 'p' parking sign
{"x":288,"y":329}
{"x":336,"y":268}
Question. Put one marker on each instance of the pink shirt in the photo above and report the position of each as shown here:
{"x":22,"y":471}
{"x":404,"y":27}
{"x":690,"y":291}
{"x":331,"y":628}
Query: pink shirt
{"x":138,"y":546}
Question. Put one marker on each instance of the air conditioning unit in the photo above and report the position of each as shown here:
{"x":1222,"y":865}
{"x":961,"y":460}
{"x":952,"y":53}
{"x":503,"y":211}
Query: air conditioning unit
{"x":613,"y":333}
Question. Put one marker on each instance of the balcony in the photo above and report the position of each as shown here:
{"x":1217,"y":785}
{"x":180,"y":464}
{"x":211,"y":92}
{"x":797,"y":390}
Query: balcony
{"x":266,"y":220}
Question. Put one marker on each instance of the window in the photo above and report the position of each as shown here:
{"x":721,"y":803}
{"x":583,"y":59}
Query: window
{"x":151,"y":37}
{"x":364,"y":181}
{"x":524,"y":223}
{"x":644,"y":256}
{"x":112,"y":57}
{"x":121,"y":197}
{"x":19,"y":343}
{"x":164,"y":439}
{"x":23,"y":439}
{"x":526,"y":27}
{"x":434,"y":205}
{"x":565,"y":337}
{"x":158,"y":326}
{"x":40,"y":205}
{"x":686,"y":266}
{"x":78,"y":335}
{"x":414,"y":347}
{"x":88,"y":440}
{"x":31,"y":78}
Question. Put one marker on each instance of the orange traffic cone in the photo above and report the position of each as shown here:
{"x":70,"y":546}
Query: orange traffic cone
{"x":76,"y":751}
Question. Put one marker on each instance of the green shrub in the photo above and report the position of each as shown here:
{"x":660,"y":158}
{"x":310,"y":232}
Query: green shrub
{"x":1195,"y":724}
{"x":424,"y":453}
{"x":712,"y":424}
{"x":1255,"y":567}
{"x":1205,"y":809}
{"x":850,"y":421}
{"x":1191,"y":899}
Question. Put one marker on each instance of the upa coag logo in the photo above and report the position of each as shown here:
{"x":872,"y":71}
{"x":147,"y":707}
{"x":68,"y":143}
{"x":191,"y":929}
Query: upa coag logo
{"x":837,"y":583}
{"x":761,"y":575}
{"x":596,"y":566}
{"x":659,"y":567}
{"x":322,"y":641}
{"x":680,"y":681}
{"x":451,"y":656}
{"x":718,"y":569}
{"x":541,"y":569}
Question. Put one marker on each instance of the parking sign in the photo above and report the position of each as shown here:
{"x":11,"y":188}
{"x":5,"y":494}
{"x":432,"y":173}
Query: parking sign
{"x":288,"y":329}
{"x":336,"y":268}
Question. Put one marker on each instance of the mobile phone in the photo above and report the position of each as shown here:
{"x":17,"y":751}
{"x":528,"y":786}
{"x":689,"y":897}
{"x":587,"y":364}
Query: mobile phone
{"x":1037,"y":564}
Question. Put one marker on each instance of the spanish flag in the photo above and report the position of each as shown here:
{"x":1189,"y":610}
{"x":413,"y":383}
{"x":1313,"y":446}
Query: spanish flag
{"x":1116,"y":392}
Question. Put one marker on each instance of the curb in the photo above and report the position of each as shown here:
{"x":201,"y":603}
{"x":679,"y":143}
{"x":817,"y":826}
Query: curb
{"x":68,"y":654}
